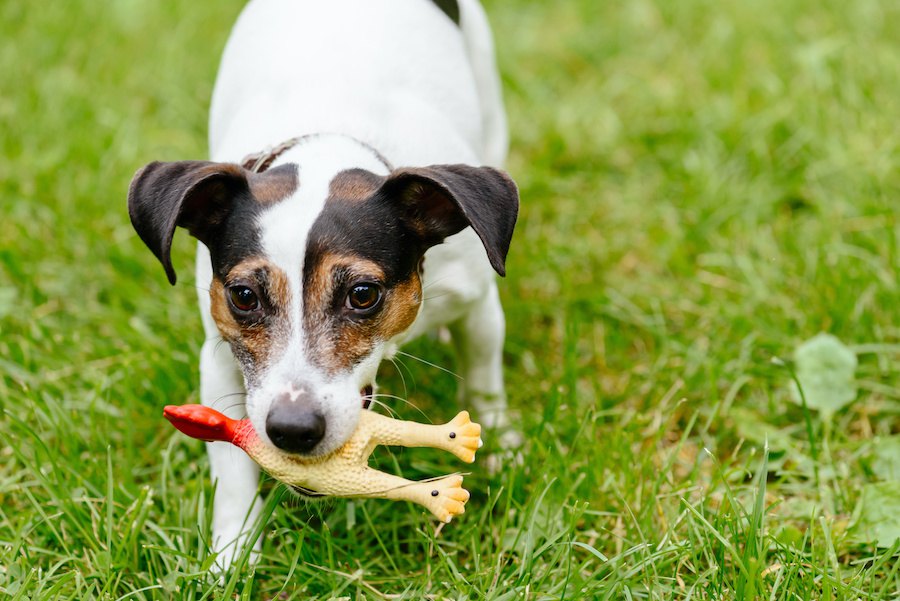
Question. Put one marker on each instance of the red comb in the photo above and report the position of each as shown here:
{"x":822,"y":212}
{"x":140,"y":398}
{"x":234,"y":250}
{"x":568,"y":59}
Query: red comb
{"x":204,"y":423}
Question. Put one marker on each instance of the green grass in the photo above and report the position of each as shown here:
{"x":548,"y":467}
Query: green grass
{"x":705,"y":185}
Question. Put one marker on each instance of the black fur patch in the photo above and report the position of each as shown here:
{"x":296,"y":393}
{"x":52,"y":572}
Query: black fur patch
{"x":358,"y":219}
{"x":239,"y":237}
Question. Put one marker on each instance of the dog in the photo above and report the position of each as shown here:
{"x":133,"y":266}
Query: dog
{"x":353,"y":201}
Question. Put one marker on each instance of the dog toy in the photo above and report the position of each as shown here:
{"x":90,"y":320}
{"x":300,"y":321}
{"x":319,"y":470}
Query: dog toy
{"x":343,"y":472}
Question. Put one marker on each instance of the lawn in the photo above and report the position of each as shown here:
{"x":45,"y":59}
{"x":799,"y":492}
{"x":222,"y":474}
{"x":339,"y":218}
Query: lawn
{"x":705,"y":186}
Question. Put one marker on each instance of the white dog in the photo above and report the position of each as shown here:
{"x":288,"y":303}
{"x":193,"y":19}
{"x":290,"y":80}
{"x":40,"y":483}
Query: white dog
{"x":365,"y":122}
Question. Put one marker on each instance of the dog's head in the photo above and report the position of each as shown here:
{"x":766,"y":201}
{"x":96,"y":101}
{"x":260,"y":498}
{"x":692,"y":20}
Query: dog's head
{"x":317,"y":266}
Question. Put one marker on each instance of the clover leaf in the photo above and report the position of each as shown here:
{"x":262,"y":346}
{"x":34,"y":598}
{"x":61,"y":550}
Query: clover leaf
{"x":826,"y":370}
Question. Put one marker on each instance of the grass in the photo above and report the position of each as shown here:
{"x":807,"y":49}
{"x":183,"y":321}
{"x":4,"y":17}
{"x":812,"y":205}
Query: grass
{"x":705,"y":185}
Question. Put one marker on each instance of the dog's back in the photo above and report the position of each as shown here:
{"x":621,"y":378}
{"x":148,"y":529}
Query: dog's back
{"x":399,"y":75}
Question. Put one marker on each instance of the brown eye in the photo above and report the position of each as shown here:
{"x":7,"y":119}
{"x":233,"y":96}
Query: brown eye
{"x":243,"y":299}
{"x":364,"y":297}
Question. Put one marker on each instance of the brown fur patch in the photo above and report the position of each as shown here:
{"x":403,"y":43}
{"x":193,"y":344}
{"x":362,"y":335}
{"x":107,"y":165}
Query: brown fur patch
{"x":355,"y":185}
{"x":275,"y":184}
{"x":353,"y":340}
{"x":401,"y":308}
{"x":254,"y":341}
{"x":270,"y":277}
{"x":336,"y":339}
{"x":221,"y":314}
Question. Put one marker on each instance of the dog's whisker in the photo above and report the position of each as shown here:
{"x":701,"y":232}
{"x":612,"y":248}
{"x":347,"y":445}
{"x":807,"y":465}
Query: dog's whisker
{"x":385,"y":406}
{"x":243,"y":414}
{"x":394,"y":397}
{"x":397,"y":365}
{"x":430,"y":364}
{"x":406,"y":402}
{"x":216,"y":403}
{"x":433,"y":282}
{"x":228,"y":395}
{"x":428,"y":298}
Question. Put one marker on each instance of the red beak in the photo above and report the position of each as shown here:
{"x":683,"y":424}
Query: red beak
{"x":204,"y":423}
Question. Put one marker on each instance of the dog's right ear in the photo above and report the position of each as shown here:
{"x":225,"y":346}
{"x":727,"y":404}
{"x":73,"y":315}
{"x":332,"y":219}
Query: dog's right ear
{"x":196,"y":195}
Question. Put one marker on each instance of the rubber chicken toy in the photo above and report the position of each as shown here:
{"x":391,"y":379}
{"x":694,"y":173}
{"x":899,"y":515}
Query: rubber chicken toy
{"x":344,"y":472}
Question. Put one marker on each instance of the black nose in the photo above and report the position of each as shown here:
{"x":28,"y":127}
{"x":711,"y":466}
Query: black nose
{"x":294,"y":427}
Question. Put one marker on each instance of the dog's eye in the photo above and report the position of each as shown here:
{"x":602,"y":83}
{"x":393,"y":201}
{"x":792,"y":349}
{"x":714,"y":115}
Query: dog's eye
{"x":364,"y":297}
{"x":243,"y":299}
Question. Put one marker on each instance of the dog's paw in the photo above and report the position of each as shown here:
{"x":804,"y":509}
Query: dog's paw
{"x":463,"y":437}
{"x":445,"y":497}
{"x":506,"y":452}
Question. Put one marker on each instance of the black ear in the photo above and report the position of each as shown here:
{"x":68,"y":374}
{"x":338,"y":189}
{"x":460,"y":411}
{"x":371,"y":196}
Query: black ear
{"x":196,"y":195}
{"x":442,"y":200}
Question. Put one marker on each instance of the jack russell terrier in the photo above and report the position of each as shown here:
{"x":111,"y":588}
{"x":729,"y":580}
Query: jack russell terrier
{"x":345,"y":210}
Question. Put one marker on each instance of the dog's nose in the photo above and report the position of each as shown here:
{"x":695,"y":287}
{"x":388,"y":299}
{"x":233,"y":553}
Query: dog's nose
{"x":294,"y":426}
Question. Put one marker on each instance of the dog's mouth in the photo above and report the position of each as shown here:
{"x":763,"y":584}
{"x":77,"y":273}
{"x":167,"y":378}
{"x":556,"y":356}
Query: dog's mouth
{"x":366,"y":396}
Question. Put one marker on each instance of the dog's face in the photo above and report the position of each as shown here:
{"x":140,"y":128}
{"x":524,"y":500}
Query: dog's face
{"x":317,"y":267}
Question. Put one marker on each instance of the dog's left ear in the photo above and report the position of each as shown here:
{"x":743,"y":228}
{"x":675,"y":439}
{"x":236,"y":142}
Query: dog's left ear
{"x":196,"y":195}
{"x":442,"y":200}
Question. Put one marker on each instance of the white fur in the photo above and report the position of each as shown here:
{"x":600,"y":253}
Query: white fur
{"x":284,"y":228}
{"x":401,"y":77}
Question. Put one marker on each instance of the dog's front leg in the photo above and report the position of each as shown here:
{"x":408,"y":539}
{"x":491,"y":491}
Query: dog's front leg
{"x":478,"y":337}
{"x":236,"y":504}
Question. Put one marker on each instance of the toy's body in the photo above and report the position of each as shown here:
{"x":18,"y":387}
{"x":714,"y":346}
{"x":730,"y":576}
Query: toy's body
{"x":344,"y":473}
